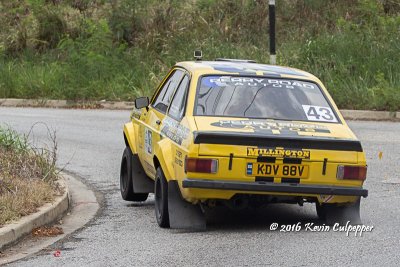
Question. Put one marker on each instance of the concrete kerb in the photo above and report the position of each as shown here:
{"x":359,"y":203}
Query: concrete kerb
{"x":12,"y":102}
{"x":370,"y":115}
{"x":116,"y":105}
{"x":49,"y":213}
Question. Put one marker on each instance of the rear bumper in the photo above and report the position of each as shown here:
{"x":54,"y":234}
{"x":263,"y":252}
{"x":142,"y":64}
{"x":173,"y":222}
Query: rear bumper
{"x":276,"y":188}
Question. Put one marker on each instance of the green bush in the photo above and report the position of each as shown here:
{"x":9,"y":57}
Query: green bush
{"x":51,"y":29}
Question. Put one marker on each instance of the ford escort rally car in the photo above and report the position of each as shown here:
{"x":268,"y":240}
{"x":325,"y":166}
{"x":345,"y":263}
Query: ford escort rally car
{"x":240,"y":133}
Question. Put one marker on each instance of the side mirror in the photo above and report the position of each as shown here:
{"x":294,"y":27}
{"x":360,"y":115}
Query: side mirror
{"x":141,"y":102}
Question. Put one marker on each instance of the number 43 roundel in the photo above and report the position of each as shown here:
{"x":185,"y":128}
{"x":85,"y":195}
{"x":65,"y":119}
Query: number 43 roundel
{"x":317,"y":113}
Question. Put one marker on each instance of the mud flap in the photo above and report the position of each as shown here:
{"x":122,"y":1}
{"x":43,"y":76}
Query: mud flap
{"x":141,"y":183}
{"x":182,"y":214}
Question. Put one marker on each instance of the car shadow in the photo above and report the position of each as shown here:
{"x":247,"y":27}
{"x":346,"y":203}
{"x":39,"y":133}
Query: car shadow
{"x":141,"y":204}
{"x":260,"y":219}
{"x":222,"y":218}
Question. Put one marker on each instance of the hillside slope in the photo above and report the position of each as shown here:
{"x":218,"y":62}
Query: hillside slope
{"x":119,"y":49}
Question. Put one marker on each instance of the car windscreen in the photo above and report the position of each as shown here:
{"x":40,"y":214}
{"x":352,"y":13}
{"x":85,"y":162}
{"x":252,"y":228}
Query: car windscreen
{"x":262,"y":97}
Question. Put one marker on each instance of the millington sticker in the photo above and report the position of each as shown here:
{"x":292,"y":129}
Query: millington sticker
{"x":278,"y":152}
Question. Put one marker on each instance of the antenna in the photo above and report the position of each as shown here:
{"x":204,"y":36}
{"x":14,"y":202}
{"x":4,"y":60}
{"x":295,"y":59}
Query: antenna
{"x":198,"y":55}
{"x":272,"y":52}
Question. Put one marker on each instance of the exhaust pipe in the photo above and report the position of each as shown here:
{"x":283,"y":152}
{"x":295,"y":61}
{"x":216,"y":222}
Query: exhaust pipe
{"x":238,"y":202}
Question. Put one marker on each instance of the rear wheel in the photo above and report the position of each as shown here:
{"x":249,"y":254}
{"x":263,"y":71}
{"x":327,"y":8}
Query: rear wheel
{"x":161,"y":199}
{"x":125,"y":180}
{"x":333,"y":213}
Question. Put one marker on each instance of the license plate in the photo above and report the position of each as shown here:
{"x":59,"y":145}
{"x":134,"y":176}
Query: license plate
{"x":277,"y":170}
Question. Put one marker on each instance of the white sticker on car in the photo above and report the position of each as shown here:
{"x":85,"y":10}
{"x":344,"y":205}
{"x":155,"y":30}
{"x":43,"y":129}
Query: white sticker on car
{"x":148,"y":141}
{"x":317,"y":113}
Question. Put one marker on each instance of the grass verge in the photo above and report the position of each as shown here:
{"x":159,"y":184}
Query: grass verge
{"x":28,"y":176}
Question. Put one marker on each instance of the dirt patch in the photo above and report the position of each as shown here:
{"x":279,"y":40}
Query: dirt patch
{"x":47,"y":231}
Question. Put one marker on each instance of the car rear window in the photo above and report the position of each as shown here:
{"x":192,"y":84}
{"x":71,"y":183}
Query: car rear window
{"x":261,"y":97}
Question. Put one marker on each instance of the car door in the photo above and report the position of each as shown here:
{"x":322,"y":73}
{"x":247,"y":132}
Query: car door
{"x":150,"y":131}
{"x":178,"y":129}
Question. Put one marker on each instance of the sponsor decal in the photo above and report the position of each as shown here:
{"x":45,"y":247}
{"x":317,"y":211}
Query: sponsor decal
{"x":136,"y":113}
{"x":148,"y":141}
{"x":249,"y":81}
{"x":174,"y":131}
{"x":178,"y":158}
{"x":272,"y":127}
{"x":278,"y":152}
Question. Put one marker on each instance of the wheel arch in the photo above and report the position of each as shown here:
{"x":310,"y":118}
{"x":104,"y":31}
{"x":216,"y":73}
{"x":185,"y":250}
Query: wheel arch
{"x":126,"y":140}
{"x":130,"y":136}
{"x":162,"y":153}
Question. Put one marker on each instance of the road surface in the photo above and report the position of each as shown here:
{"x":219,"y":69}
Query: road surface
{"x":90,"y":145}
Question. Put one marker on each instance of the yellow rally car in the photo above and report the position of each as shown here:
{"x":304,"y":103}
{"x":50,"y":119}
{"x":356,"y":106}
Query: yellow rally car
{"x":239,"y":133}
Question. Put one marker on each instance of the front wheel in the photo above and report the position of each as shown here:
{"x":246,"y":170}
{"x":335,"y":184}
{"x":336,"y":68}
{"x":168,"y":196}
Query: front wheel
{"x":333,"y":213}
{"x":125,"y":180}
{"x":161,"y":199}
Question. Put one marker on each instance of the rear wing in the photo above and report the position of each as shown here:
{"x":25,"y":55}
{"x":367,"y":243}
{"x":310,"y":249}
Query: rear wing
{"x":255,"y":139}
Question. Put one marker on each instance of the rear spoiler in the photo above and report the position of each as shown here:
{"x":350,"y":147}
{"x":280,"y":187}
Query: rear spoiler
{"x":255,"y":139}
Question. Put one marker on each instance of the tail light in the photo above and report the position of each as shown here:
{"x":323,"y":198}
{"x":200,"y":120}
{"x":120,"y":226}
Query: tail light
{"x":352,"y":172}
{"x":201,"y":165}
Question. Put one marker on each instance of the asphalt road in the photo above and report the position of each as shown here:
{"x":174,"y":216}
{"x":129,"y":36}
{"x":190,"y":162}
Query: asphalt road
{"x":90,"y":144}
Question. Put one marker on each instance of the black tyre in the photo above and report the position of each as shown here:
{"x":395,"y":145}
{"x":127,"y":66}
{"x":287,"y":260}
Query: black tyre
{"x":332,"y":213}
{"x":125,"y":180}
{"x":161,"y":199}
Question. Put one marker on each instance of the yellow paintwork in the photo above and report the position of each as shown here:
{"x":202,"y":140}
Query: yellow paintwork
{"x":171,"y":155}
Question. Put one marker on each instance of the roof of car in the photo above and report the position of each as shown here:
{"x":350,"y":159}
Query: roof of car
{"x":242,"y":68}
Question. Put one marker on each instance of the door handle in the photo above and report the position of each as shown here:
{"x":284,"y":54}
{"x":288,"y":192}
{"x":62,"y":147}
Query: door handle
{"x":158,"y":122}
